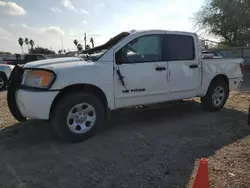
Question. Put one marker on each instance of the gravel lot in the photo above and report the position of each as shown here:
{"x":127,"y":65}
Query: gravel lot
{"x":153,"y":148}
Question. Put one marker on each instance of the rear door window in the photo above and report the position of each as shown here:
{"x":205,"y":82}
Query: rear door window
{"x":179,"y":47}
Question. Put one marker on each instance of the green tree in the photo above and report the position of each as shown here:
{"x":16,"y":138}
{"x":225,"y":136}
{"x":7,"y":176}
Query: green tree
{"x":229,"y":19}
{"x":76,"y":43}
{"x":87,"y":47}
{"x":32,"y":43}
{"x":20,"y":42}
{"x":40,"y":50}
{"x":92,"y":42}
{"x":79,"y":47}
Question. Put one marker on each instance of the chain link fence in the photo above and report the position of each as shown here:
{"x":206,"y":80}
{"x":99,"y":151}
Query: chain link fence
{"x":237,"y":52}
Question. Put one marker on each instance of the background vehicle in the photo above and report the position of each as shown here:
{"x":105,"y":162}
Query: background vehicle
{"x":27,"y":58}
{"x":133,"y":68}
{"x":212,"y":54}
{"x":5,"y":71}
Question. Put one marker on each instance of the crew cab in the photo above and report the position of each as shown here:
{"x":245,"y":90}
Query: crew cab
{"x":27,"y":58}
{"x":133,"y":68}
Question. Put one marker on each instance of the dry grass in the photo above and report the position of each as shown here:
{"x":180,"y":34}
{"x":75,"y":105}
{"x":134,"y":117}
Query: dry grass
{"x":5,"y":117}
{"x":156,"y":148}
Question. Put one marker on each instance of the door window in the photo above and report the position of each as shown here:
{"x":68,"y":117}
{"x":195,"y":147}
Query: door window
{"x":180,"y":47}
{"x":142,"y":49}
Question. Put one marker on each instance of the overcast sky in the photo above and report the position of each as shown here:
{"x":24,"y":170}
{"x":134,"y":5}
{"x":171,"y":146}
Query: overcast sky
{"x":43,"y":20}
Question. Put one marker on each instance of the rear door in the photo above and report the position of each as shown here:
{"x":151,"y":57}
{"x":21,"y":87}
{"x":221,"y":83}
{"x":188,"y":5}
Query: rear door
{"x":183,"y":63}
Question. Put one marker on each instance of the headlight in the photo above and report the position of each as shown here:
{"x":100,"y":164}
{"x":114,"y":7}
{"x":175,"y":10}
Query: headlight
{"x":38,"y":78}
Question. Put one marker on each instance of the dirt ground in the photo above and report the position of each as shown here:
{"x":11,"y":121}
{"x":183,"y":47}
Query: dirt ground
{"x":153,"y":148}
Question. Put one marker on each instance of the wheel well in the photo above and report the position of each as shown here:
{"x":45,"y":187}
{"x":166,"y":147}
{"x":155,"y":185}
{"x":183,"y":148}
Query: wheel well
{"x":81,"y":87}
{"x":3,"y":73}
{"x":221,"y":77}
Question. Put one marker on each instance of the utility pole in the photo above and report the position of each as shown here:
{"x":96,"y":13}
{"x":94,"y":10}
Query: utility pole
{"x":61,"y":39}
{"x":85,"y":39}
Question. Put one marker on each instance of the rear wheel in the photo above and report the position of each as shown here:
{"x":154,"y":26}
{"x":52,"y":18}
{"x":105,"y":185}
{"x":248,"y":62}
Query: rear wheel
{"x":3,"y":81}
{"x":216,"y":96}
{"x":77,"y":116}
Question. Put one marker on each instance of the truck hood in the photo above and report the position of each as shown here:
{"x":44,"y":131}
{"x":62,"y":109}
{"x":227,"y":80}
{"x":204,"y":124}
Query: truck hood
{"x":65,"y":62}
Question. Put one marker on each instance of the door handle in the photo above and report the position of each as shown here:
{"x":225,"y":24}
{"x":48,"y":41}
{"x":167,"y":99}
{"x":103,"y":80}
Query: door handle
{"x":193,"y":66}
{"x":160,"y":68}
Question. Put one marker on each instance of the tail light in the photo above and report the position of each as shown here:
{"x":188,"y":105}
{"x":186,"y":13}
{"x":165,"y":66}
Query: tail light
{"x":5,"y":62}
{"x":242,"y":67}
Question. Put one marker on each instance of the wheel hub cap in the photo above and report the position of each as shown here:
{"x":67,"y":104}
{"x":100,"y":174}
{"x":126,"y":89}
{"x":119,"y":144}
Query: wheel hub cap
{"x":218,"y":95}
{"x":81,"y":118}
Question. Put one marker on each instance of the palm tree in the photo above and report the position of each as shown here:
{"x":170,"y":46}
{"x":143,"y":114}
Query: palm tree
{"x":20,"y":41}
{"x":92,"y":42}
{"x":32,"y":43}
{"x":75,"y":42}
{"x":87,"y":47}
{"x":27,"y":42}
{"x":79,"y":47}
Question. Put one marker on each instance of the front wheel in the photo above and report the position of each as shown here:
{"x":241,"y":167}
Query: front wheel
{"x":77,"y":116}
{"x":216,"y":96}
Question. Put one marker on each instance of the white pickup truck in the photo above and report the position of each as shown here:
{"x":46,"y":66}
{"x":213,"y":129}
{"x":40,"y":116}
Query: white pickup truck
{"x":133,"y":68}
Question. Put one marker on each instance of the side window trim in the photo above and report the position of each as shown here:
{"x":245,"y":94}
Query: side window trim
{"x":162,"y":47}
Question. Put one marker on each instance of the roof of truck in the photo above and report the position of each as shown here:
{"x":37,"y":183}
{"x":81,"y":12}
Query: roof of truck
{"x":159,"y":30}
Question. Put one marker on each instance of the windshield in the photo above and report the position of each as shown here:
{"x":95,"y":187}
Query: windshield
{"x":96,"y":53}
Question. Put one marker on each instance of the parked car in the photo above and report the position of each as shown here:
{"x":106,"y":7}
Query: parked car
{"x":133,"y":68}
{"x":208,"y":54}
{"x":27,"y":58}
{"x":5,"y":71}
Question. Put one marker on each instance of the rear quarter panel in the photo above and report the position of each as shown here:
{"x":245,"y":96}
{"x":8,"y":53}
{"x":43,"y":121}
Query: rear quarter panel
{"x":214,"y":67}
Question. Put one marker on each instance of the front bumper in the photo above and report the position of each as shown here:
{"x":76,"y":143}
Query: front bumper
{"x":24,"y":103}
{"x":35,"y":104}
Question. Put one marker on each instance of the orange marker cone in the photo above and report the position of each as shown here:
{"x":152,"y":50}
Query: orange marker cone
{"x":201,"y":179}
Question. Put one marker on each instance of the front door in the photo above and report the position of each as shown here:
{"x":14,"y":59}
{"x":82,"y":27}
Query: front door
{"x":143,"y":70}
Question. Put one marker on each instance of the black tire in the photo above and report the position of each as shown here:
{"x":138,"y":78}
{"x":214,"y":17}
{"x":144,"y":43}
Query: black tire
{"x":207,"y":101}
{"x":63,"y":107}
{"x":3,"y":79}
